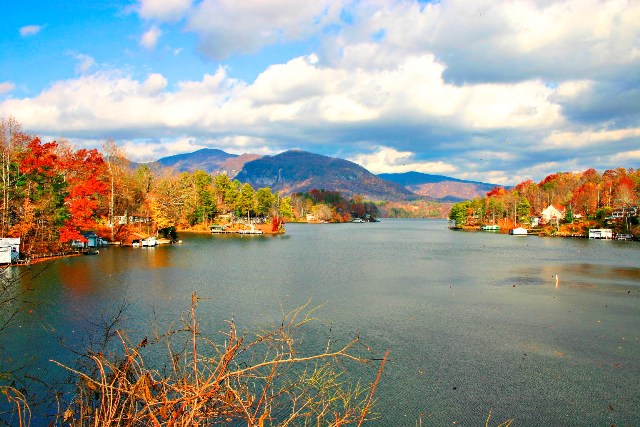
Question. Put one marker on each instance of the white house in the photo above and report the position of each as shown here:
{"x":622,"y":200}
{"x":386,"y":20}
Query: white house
{"x":9,"y":250}
{"x":553,"y":213}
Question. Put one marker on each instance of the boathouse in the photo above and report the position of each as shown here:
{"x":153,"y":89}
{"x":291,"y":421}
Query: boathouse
{"x":600,"y":233}
{"x":9,"y":250}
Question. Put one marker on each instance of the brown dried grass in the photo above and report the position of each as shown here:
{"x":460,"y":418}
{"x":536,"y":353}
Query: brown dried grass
{"x":261,"y":381}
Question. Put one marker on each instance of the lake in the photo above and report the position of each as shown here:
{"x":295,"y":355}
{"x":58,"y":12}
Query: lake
{"x":474,"y":322}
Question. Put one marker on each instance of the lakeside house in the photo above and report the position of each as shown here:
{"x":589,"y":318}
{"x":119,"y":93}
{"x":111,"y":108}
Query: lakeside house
{"x":553,"y":213}
{"x":9,"y":249}
{"x":131,"y":219}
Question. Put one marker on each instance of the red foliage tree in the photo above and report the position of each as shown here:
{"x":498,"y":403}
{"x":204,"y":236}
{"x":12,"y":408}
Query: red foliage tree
{"x":497,"y":192}
{"x":83,"y":170}
{"x":585,"y":198}
{"x":39,"y":158}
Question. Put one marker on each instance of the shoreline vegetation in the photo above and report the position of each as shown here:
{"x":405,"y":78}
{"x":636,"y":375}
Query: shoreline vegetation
{"x":565,"y":204}
{"x":58,"y":200}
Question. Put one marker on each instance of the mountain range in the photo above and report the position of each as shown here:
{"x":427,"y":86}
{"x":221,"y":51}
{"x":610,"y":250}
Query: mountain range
{"x":299,"y":171}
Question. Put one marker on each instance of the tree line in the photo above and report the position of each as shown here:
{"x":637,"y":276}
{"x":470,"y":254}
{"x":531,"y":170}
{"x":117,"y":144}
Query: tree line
{"x":52,"y":192}
{"x":330,"y":206}
{"x":589,"y":195}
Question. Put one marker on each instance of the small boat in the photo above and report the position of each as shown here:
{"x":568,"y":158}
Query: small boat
{"x":357,"y":220}
{"x":149,"y":242}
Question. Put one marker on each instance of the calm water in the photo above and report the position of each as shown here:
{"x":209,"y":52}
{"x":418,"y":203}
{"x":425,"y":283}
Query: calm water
{"x":474,"y":321}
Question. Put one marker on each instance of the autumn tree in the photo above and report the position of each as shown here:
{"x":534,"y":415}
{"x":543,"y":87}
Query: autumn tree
{"x":459,"y":213}
{"x":246,"y":203}
{"x":285,"y":208}
{"x":82,"y":172}
{"x":12,"y":142}
{"x":624,"y":194}
{"x":222,"y":186}
{"x":42,"y":187}
{"x":585,"y":198}
{"x":265,"y":201}
{"x":322,"y":212}
{"x":200,"y":203}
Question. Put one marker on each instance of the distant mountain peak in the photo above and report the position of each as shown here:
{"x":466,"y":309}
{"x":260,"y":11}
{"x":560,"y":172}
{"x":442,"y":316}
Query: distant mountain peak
{"x":297,"y":170}
{"x":300,"y":171}
{"x":439,"y":186}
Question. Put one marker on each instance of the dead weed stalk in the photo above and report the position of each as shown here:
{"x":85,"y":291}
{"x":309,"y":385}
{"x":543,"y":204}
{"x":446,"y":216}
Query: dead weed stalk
{"x":256,"y":381}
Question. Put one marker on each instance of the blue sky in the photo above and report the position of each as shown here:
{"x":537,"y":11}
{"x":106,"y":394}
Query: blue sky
{"x":491,"y":91}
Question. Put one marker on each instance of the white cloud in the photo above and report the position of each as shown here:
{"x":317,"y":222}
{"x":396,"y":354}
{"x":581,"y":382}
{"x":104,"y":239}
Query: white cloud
{"x":30,"y":30}
{"x":390,"y":160}
{"x":154,"y":84}
{"x":84,"y":62}
{"x":623,"y":158}
{"x":149,"y":39}
{"x":154,"y":149}
{"x":164,"y":10}
{"x":586,"y":138}
{"x":572,"y":89}
{"x":147,"y":151}
{"x":6,"y":87}
{"x":495,"y":41}
{"x":228,"y":26}
{"x":288,"y":100}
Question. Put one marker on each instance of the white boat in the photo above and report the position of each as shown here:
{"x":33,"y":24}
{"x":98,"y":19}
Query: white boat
{"x":358,"y":220}
{"x":149,"y":241}
{"x":518,"y":231}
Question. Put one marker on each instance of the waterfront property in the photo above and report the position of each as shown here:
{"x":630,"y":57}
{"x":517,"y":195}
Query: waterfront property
{"x":600,"y":233}
{"x":9,"y":250}
{"x":553,"y":213}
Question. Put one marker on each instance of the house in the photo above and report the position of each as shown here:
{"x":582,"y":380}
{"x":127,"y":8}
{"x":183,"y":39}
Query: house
{"x":553,"y":213}
{"x":9,"y":250}
{"x":131,"y":219}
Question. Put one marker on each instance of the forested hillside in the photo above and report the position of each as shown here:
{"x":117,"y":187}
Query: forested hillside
{"x":584,"y":196}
